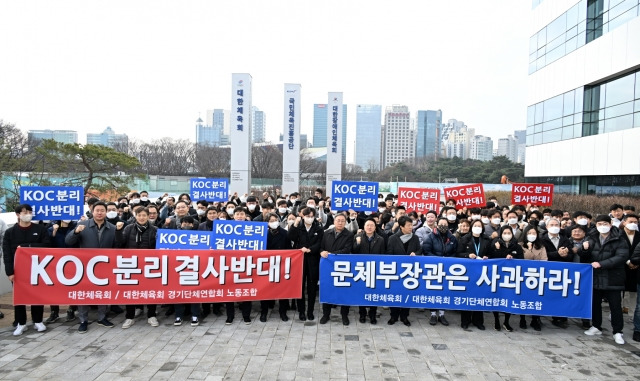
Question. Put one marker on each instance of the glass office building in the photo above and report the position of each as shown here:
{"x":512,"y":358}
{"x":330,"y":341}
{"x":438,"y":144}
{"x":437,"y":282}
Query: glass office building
{"x":428,"y":125}
{"x":320,"y":128}
{"x":583,"y":115}
{"x":368,"y":136}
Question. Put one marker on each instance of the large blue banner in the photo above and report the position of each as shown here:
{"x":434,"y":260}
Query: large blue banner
{"x":54,"y":203}
{"x":507,"y":285}
{"x":360,"y":196}
{"x":209,"y":189}
{"x":239,"y":235}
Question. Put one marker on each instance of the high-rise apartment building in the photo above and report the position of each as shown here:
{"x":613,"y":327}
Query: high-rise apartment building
{"x":481,"y":148}
{"x":508,"y":147}
{"x":456,"y":139}
{"x":584,"y":96}
{"x":258,"y":130}
{"x":428,"y":133}
{"x":320,"y":128}
{"x":210,"y":134}
{"x":368,"y":137}
{"x":399,"y":138}
{"x":62,"y":136}
{"x":108,"y":138}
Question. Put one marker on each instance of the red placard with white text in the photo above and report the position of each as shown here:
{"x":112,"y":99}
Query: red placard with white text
{"x":467,"y":196}
{"x":420,"y":200}
{"x":534,"y":194}
{"x":126,"y":276}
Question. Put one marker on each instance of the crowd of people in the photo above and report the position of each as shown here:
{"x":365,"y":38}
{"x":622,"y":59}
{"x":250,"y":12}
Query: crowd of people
{"x":609,"y":242}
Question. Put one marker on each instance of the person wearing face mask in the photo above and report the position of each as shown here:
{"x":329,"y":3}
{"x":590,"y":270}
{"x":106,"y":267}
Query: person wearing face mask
{"x":210,"y":216}
{"x":474,"y":245}
{"x":616,"y":212}
{"x":583,"y":219}
{"x":382,"y":207}
{"x":512,"y":222}
{"x":282,"y":211}
{"x":266,"y":209}
{"x":277,"y":239}
{"x":181,"y":211}
{"x":534,"y":250}
{"x":492,"y":229}
{"x":535,"y":218}
{"x":112,"y":213}
{"x":319,"y":207}
{"x":608,"y":259}
{"x":634,"y":263}
{"x":505,"y":246}
{"x":306,"y":234}
{"x":430,"y":222}
{"x":57,"y":233}
{"x":368,"y":242}
{"x":451,"y":214}
{"x":393,"y":226}
{"x":201,"y":210}
{"x":134,"y":199}
{"x":415,"y":220}
{"x":629,"y":226}
{"x":24,"y":234}
{"x":475,"y":214}
{"x":253,"y":210}
{"x":404,"y":242}
{"x":558,"y":248}
{"x":440,"y":243}
{"x":144,"y":199}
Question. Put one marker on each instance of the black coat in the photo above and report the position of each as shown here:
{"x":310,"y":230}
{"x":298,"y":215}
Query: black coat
{"x":34,"y":236}
{"x":512,"y":248}
{"x":395,"y":245}
{"x":337,"y":245}
{"x":612,"y":256}
{"x":552,"y":252}
{"x":466,"y":246}
{"x":377,"y":245}
{"x":126,"y":237}
{"x":310,"y":239}
{"x":278,"y":239}
{"x":632,"y":279}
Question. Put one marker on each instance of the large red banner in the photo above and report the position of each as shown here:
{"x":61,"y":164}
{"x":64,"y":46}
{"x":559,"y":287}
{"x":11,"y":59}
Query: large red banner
{"x":534,"y":194}
{"x":125,"y":276}
{"x":421,"y":200}
{"x":467,"y":196}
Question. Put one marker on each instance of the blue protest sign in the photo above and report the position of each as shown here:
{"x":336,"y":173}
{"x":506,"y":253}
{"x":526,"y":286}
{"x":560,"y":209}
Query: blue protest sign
{"x":360,"y":196}
{"x":239,"y":235}
{"x":507,"y":285}
{"x":209,"y":189}
{"x":184,"y":239}
{"x":54,"y":203}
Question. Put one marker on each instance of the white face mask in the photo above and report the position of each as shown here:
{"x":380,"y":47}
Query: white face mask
{"x":230,"y":211}
{"x":66,"y":221}
{"x":475,"y":217}
{"x":484,"y":220}
{"x":582,"y":221}
{"x":531,"y":237}
{"x":382,"y":210}
{"x":222,"y":218}
{"x":135,"y":201}
{"x":604,"y":229}
{"x":507,"y":237}
{"x":282,"y":210}
{"x":513,"y":221}
{"x":274,"y":224}
{"x":243,"y":199}
{"x":26,"y":218}
{"x":477,"y":230}
{"x":553,"y":229}
{"x":270,"y":200}
{"x":451,"y":217}
{"x":632,"y":226}
{"x":615,"y":222}
{"x":290,"y":222}
{"x":367,"y":213}
{"x":495,"y":221}
{"x":251,"y":207}
{"x":112,"y":215}
{"x":308,"y":220}
{"x":312,"y":206}
{"x":201,"y":212}
{"x":547,"y":218}
{"x":144,"y":199}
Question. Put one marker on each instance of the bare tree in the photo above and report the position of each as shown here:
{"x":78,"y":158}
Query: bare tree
{"x":212,"y":161}
{"x":165,"y":156}
{"x":266,"y":162}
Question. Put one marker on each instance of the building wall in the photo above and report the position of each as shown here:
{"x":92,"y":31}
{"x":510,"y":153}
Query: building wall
{"x":368,"y":137}
{"x":320,"y":128}
{"x":428,"y":133}
{"x":399,"y":144}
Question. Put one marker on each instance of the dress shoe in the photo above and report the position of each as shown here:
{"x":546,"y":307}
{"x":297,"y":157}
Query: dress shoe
{"x":302,"y":316}
{"x":373,"y":320}
{"x":283,"y":316}
{"x":406,"y":322}
{"x":392,"y":321}
{"x":496,"y":325}
{"x":324,"y":319}
{"x":464,"y":326}
{"x":263,"y":317}
{"x":480,"y":326}
{"x":433,"y":320}
{"x":362,"y":319}
{"x":535,"y":324}
{"x":443,"y":320}
{"x":636,"y":336}
{"x":310,"y":315}
{"x":523,"y":324}
{"x":345,"y":320}
{"x":507,"y":327}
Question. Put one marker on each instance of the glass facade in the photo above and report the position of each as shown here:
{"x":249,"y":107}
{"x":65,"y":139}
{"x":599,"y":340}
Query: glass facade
{"x":368,"y":136}
{"x":429,"y":124}
{"x":320,"y":128}
{"x":581,"y":24}
{"x":598,"y":185}
{"x":606,"y":107}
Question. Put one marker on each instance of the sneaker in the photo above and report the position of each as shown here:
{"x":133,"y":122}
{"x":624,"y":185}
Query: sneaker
{"x":19,"y":330}
{"x":433,"y":320}
{"x":507,"y":327}
{"x":229,"y":321}
{"x":178,"y":321}
{"x":40,"y":327}
{"x":71,"y":315}
{"x":247,"y":320}
{"x":618,"y":338}
{"x":153,"y":321}
{"x":137,"y":312}
{"x":83,"y":327}
{"x":195,"y":322}
{"x":263,"y":317}
{"x":593,"y":331}
{"x":127,"y":323}
{"x":52,"y":318}
{"x":105,"y":323}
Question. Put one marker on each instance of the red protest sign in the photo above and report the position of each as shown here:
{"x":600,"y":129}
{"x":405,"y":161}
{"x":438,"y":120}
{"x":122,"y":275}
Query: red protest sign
{"x":125,"y":276}
{"x":467,"y":196}
{"x":421,"y":200}
{"x":534,"y":194}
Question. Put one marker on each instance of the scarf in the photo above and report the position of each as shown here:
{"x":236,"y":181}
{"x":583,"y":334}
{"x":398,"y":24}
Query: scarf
{"x":140,"y":229}
{"x":406,"y":237}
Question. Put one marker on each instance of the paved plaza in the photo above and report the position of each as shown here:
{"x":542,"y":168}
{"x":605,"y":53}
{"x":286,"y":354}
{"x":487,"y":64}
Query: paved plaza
{"x":296,"y":350}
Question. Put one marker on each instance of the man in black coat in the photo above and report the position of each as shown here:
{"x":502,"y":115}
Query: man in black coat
{"x":404,"y":242}
{"x":336,"y":240}
{"x":608,"y":258}
{"x":306,"y":235}
{"x":558,"y":249}
{"x":369,"y":242}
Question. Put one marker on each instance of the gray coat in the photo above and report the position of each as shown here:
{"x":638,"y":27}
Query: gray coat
{"x":89,"y":237}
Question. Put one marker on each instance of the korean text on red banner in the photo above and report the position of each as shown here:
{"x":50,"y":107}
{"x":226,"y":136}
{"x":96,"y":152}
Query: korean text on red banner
{"x":467,"y":196}
{"x":125,"y":276}
{"x":534,"y":194}
{"x":420,"y":200}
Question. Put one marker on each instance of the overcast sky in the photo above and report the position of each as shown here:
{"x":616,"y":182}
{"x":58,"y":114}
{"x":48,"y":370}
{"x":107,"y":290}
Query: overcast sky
{"x":148,"y":68}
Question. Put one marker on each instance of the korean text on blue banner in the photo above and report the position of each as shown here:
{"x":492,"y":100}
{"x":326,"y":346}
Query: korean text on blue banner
{"x":360,"y":196}
{"x":54,"y":203}
{"x":184,"y":239}
{"x":209,"y":189}
{"x":505,"y":285}
{"x":239,"y":235}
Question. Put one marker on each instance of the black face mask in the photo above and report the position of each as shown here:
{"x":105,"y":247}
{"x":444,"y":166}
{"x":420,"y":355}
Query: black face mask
{"x":534,"y":222}
{"x":443,"y":229}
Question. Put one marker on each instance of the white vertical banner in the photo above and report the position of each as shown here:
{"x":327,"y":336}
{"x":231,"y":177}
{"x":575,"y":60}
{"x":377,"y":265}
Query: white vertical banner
{"x":291,"y":139}
{"x":240,"y":133}
{"x":334,"y":139}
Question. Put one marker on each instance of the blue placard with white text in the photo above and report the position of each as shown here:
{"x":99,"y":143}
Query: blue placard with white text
{"x":360,"y":196}
{"x":184,"y":239}
{"x":209,"y":189}
{"x":239,"y":235}
{"x":54,"y":203}
{"x":507,"y":285}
